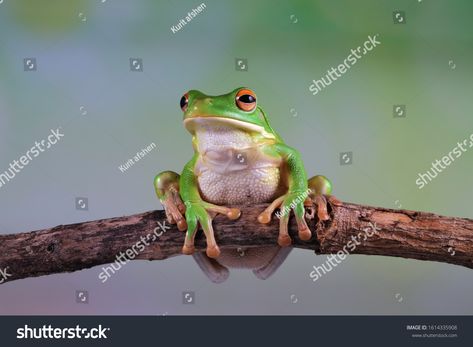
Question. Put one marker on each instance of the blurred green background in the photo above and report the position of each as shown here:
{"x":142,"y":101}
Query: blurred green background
{"x":83,"y":83}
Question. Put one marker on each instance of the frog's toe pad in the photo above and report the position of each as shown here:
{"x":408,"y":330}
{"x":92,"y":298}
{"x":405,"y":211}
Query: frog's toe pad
{"x":182,"y":225}
{"x":213,"y":251}
{"x":284,"y":240}
{"x":264,"y":218}
{"x":233,"y":213}
{"x":305,"y":234}
{"x":188,"y":249}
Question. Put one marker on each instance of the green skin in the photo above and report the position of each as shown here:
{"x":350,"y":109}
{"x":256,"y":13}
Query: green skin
{"x":179,"y":193}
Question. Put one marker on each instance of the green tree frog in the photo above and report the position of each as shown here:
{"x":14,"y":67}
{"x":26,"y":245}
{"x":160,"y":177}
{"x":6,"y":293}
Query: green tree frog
{"x":238,"y":159}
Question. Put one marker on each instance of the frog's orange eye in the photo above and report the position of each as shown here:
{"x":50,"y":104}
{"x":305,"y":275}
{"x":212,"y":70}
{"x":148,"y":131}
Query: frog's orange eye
{"x":246,"y":100}
{"x":184,"y":102}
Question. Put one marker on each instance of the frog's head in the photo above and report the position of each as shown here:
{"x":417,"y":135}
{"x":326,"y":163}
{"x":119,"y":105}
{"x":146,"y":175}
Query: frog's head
{"x":237,"y":109}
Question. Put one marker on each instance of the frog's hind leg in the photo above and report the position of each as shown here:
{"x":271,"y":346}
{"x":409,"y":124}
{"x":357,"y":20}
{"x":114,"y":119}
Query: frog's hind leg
{"x":166,"y":185}
{"x":320,"y":192}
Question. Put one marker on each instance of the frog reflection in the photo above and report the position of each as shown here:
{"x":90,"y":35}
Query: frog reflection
{"x":263,"y":261}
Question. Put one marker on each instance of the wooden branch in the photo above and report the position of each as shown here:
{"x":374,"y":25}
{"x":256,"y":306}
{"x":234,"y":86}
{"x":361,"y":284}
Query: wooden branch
{"x":399,"y":233}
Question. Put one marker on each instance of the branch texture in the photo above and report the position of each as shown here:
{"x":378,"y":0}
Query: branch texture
{"x":399,"y":233}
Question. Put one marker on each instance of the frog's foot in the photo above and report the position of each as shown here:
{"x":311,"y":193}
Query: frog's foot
{"x":198,"y":212}
{"x":166,"y":185}
{"x":294,"y":201}
{"x":320,"y":190}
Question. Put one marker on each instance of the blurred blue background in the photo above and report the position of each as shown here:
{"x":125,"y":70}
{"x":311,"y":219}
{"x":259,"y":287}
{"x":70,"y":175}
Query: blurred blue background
{"x":83,"y":83}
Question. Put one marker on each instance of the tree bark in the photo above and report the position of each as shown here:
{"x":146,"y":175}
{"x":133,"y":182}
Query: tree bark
{"x":369,"y":230}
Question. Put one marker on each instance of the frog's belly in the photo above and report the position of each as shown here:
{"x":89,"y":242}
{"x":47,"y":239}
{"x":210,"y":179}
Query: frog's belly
{"x":240,"y":187}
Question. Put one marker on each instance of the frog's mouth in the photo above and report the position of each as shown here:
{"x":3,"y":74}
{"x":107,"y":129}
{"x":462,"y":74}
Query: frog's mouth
{"x":208,"y":122}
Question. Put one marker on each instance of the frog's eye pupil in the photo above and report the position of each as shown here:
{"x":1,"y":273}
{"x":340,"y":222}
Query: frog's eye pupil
{"x":184,"y":101}
{"x":247,"y":99}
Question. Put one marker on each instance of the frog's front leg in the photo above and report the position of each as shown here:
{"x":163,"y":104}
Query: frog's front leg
{"x":293,"y":199}
{"x":197,"y":212}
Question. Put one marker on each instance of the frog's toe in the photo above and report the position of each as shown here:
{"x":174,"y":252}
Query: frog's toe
{"x":321,"y":203}
{"x":169,"y":218}
{"x":182,"y":225}
{"x":334,"y":201}
{"x":310,"y":214}
{"x":304,"y":233}
{"x":213,"y":251}
{"x":173,"y":215}
{"x":191,"y":225}
{"x":318,"y":204}
{"x":284,"y":240}
{"x":181,"y":207}
{"x":231,"y":213}
{"x":265,"y":216}
{"x":188,"y":249}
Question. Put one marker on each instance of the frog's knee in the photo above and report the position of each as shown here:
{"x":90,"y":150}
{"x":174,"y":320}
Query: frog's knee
{"x":166,"y":181}
{"x":320,"y":185}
